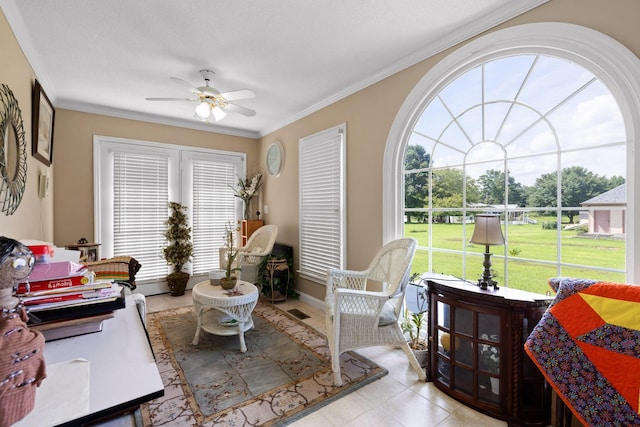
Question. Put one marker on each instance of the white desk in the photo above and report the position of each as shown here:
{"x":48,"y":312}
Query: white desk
{"x":122,"y":369}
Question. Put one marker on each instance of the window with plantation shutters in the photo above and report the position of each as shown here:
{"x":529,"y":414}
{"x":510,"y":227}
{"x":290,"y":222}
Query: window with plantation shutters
{"x":136,"y":180}
{"x":322,"y":202}
{"x":210,"y":180}
{"x":140,"y":194}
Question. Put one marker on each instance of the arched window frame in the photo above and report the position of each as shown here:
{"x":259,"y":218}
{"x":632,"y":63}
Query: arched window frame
{"x":616,"y":66}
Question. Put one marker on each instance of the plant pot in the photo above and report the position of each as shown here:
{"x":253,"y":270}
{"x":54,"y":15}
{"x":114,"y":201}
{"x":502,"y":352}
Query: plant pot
{"x":422,"y":356}
{"x":495,"y":385}
{"x":178,"y":283}
{"x":228,"y":282}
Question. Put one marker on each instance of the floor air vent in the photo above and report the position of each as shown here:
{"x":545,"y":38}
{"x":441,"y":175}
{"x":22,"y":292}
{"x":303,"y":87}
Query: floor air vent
{"x":300,"y":315}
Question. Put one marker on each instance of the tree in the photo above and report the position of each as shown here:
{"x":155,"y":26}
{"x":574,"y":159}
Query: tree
{"x":416,"y":187}
{"x":491,"y":186}
{"x":448,"y":182}
{"x":578,"y":184}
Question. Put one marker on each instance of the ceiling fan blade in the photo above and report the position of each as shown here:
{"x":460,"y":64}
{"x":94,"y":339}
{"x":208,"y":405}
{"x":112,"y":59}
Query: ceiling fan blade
{"x":242,"y":110}
{"x":189,"y":86}
{"x":239,"y":94}
{"x":171,"y":99}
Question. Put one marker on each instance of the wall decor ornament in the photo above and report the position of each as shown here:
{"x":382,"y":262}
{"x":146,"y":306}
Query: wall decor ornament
{"x":42,"y":126}
{"x":13,"y":152}
{"x":275,"y":159}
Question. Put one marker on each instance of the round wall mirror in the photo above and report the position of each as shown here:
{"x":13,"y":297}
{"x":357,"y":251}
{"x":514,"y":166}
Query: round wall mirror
{"x":13,"y":153}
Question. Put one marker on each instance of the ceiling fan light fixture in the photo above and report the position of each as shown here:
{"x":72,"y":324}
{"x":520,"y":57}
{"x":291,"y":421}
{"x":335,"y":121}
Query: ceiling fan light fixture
{"x":202,"y":110}
{"x":218,"y":113}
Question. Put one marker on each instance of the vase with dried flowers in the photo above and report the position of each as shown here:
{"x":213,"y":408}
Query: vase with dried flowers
{"x":229,"y":280}
{"x":246,"y":190}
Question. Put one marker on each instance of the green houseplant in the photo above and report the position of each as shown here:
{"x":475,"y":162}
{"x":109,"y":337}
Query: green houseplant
{"x":412,"y":325}
{"x":179,"y":248}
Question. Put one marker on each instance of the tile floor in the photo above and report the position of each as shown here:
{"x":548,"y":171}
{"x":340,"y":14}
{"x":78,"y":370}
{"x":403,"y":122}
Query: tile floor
{"x":396,"y":400}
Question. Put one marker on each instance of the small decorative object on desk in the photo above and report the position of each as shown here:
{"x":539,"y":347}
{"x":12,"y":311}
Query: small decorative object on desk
{"x":22,"y":365}
{"x":247,"y":190}
{"x":215,"y":276}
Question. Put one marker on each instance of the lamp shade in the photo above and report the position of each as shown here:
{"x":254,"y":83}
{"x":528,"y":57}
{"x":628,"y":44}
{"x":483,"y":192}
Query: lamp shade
{"x":487,"y":230}
{"x":203,"y":110}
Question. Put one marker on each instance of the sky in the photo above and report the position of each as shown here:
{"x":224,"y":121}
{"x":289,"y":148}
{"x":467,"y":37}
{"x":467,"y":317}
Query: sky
{"x":534,"y":107}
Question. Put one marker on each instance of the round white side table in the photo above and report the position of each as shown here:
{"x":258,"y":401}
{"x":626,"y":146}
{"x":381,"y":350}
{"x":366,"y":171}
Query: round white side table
{"x":217,"y":321}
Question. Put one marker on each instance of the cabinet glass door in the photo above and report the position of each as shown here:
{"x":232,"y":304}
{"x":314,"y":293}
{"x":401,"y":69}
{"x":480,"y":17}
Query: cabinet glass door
{"x":488,"y":356}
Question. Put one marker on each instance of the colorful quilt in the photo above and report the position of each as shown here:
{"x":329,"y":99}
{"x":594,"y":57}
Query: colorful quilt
{"x":587,"y":345}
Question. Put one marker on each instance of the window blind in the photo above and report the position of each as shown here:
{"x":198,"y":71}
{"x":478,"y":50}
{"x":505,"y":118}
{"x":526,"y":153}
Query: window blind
{"x":322,"y":202}
{"x":134,"y":182}
{"x":140,"y":195}
{"x":213,"y":205}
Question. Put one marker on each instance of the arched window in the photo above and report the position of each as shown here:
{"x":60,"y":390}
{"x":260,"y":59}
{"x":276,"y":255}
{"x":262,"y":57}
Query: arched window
{"x":537,"y":133}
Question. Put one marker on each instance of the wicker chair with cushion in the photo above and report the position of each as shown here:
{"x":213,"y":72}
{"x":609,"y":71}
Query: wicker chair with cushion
{"x":357,"y":317}
{"x":259,"y":245}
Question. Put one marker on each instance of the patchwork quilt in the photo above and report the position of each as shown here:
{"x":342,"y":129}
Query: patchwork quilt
{"x":587,"y":345}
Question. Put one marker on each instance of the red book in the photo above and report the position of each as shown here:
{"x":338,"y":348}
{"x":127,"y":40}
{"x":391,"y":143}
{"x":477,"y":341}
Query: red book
{"x":63,"y":282}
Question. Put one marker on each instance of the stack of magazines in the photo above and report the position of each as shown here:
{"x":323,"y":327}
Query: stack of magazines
{"x":63,"y":299}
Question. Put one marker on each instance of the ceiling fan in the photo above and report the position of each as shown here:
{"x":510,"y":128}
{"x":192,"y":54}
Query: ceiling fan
{"x":212,"y":103}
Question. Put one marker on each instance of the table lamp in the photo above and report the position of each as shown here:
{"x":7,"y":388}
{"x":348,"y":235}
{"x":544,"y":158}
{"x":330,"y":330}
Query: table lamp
{"x":487,"y":232}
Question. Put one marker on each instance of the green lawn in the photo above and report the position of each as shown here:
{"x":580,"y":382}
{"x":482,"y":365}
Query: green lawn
{"x":525,"y":243}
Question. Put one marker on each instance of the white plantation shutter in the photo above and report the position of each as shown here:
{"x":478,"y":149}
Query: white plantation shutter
{"x":140,"y":195}
{"x":212,"y":205}
{"x":135,"y":180}
{"x":322,"y":202}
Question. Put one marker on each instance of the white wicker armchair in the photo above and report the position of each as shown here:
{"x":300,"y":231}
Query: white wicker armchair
{"x":356,"y":317}
{"x":259,"y":245}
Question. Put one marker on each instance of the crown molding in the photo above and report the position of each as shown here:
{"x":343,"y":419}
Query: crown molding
{"x":149,"y":118}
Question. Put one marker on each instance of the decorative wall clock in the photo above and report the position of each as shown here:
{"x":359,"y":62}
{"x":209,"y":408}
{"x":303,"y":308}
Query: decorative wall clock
{"x":275,"y":159}
{"x":13,"y":152}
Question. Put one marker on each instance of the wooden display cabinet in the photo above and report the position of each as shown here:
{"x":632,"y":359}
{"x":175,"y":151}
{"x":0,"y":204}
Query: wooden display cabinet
{"x":476,"y":338}
{"x":247,"y":228}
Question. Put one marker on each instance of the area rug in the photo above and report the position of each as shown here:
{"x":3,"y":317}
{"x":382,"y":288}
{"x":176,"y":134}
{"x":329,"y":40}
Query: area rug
{"x":284,"y":375}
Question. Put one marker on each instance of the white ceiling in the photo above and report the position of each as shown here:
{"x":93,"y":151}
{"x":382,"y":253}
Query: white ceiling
{"x":107,"y":56}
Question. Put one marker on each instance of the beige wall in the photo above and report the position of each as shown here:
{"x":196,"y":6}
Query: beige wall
{"x":73,"y":161}
{"x":369,"y":115}
{"x":33,"y":219}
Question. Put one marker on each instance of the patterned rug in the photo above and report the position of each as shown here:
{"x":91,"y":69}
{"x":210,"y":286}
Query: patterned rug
{"x":284,"y":375}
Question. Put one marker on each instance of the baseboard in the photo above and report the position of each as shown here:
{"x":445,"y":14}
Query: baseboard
{"x":161,"y":287}
{"x":312,"y":301}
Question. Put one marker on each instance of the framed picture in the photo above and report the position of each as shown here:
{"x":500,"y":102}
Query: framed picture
{"x":42,"y":126}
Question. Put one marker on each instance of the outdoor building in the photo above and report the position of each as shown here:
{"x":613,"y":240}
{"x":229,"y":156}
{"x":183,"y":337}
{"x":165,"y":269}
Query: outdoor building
{"x":606,"y":212}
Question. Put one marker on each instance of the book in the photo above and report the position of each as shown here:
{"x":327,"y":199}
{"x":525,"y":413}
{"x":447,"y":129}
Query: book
{"x":35,"y":304}
{"x":83,"y":309}
{"x":71,"y":295}
{"x":73,"y":289}
{"x":81,"y":278}
{"x":66,"y":328}
{"x":54,"y":270}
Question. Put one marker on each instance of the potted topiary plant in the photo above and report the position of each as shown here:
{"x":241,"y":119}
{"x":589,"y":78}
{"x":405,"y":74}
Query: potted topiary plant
{"x":179,"y":249}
